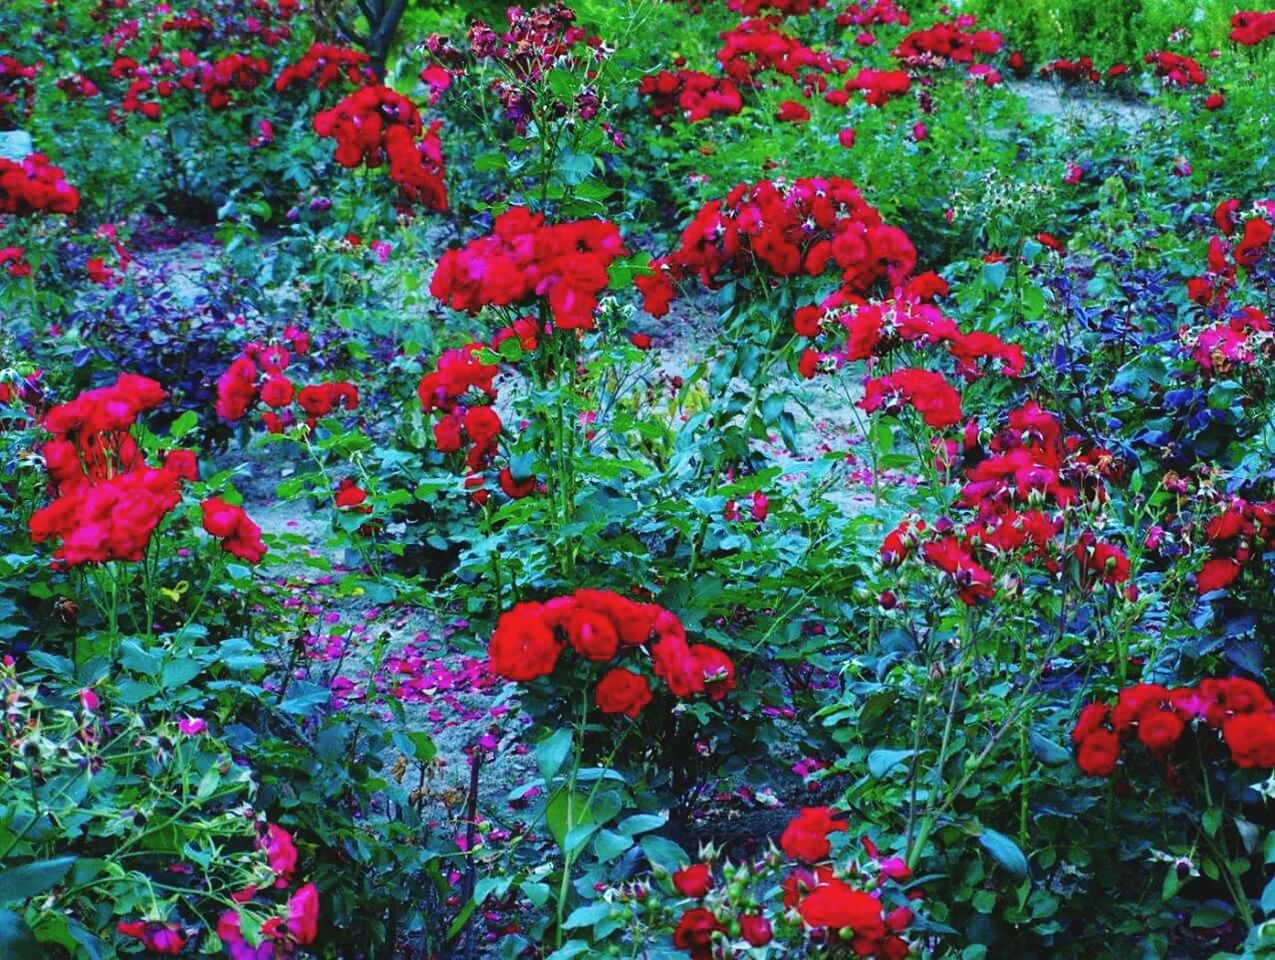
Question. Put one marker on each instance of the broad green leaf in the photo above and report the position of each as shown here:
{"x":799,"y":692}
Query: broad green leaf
{"x":1005,"y":852}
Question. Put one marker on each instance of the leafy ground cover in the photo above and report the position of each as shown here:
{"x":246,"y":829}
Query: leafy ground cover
{"x":726,"y":479}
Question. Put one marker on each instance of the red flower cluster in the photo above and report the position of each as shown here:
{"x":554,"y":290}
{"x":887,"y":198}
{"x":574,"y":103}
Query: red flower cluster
{"x":523,"y":258}
{"x":325,"y":64}
{"x":927,"y":392}
{"x":757,"y":46}
{"x":600,"y":626}
{"x":375,"y":125}
{"x":879,"y":87}
{"x":694,"y":95}
{"x":1251,"y":27}
{"x":35,"y":186}
{"x":239,"y":536}
{"x":803,"y":227}
{"x":1236,"y":537}
{"x":868,"y":14}
{"x":1242,"y":341}
{"x":281,"y":936}
{"x":108,"y":499}
{"x":161,"y":938}
{"x":874,"y":328}
{"x":445,"y":387}
{"x":259,"y":373}
{"x":818,"y":894}
{"x":786,"y":8}
{"x":17,"y":86}
{"x":825,"y":901}
{"x":1072,"y":71}
{"x":945,"y":43}
{"x":1030,"y":462}
{"x":1213,"y":288}
{"x":1238,"y":709}
{"x":237,"y":72}
{"x":15,"y":263}
{"x":1176,"y":69}
{"x":78,"y":86}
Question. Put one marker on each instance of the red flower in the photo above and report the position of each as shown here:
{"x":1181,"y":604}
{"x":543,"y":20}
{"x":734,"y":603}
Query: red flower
{"x":482,"y":424}
{"x":523,"y":646}
{"x":281,"y":853}
{"x":806,"y":836}
{"x":447,"y":435}
{"x":1217,"y":574}
{"x":1098,"y":754}
{"x":277,"y":392}
{"x":593,"y":635}
{"x":165,"y":938}
{"x":239,"y":536}
{"x":837,"y":905}
{"x":623,"y":691}
{"x":755,"y":929}
{"x":1159,"y":731}
{"x":790,"y":111}
{"x":693,"y":881}
{"x":514,"y":488}
{"x":694,"y":933}
{"x":1251,"y":738}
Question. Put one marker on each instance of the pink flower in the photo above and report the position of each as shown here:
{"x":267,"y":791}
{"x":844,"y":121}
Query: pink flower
{"x":281,"y":853}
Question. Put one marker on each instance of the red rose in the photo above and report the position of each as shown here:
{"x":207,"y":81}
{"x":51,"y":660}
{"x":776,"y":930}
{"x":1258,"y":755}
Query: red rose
{"x":1159,"y":730}
{"x":837,"y":905}
{"x":516,"y":489}
{"x":277,"y":392}
{"x":1091,"y":718}
{"x":693,"y":881}
{"x":1251,"y":737}
{"x":523,"y":646}
{"x":755,"y":929}
{"x":623,"y":691}
{"x":447,"y":436}
{"x":182,"y":463}
{"x":806,"y":836}
{"x":593,"y":635}
{"x":694,"y":933}
{"x":1098,"y":753}
{"x":1216,"y":574}
{"x":482,"y":424}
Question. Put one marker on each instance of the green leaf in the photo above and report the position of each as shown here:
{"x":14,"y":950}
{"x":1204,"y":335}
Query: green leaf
{"x":994,"y":274}
{"x":640,"y":823}
{"x":587,"y":915}
{"x":1212,"y":914}
{"x":1005,"y":852}
{"x":664,"y":853}
{"x":551,"y":753}
{"x":1048,"y":752}
{"x":134,"y":657}
{"x":1268,"y":898}
{"x":178,"y":673}
{"x":572,"y":948}
{"x":183,"y":425}
{"x":24,"y":882}
{"x":608,"y":845}
{"x":16,"y":941}
{"x":1212,"y":820}
{"x":881,"y":762}
{"x":564,"y":813}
